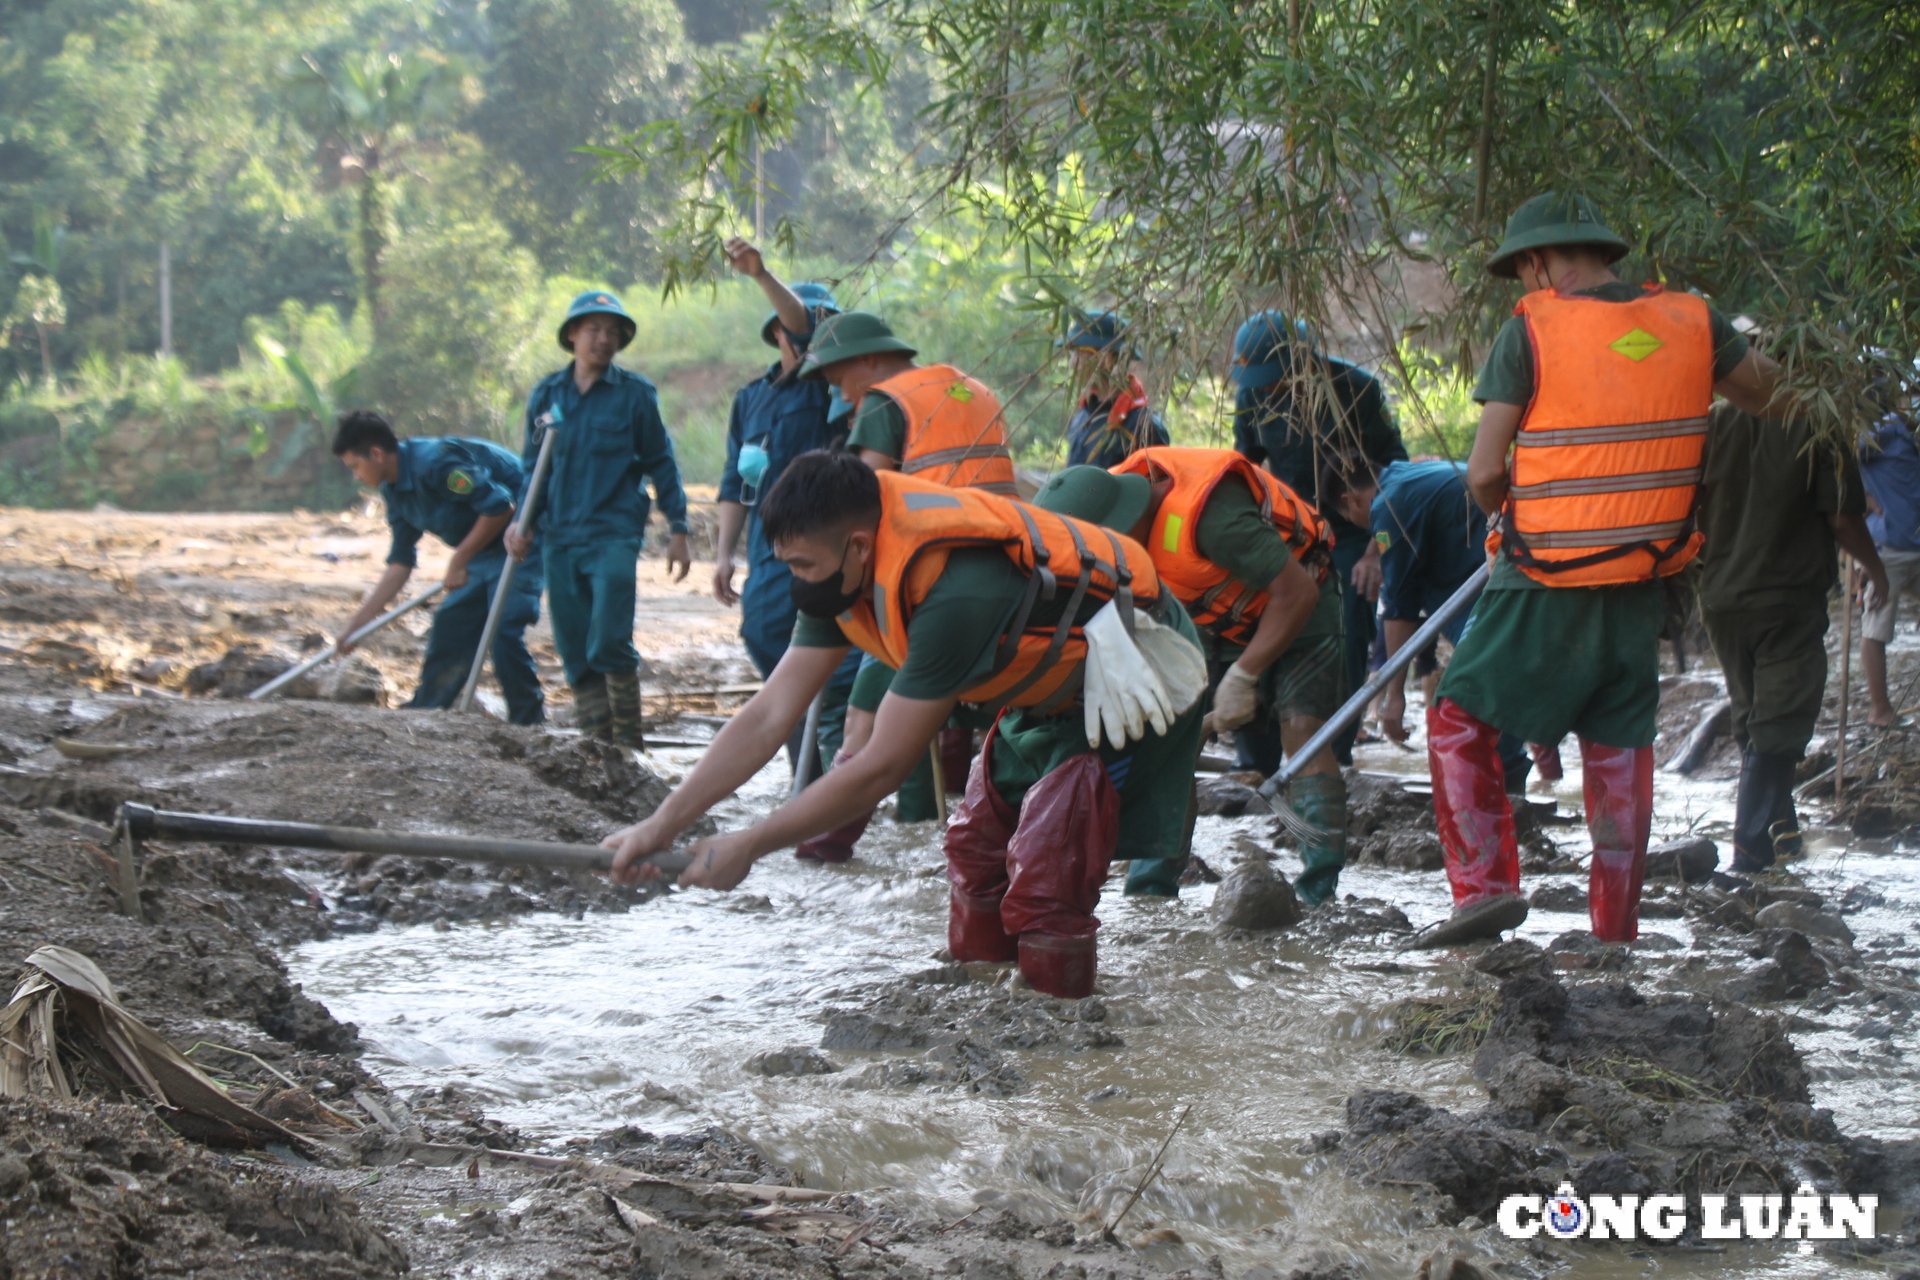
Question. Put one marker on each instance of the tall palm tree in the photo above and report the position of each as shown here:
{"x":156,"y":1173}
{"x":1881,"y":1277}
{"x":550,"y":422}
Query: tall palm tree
{"x":366,"y":113}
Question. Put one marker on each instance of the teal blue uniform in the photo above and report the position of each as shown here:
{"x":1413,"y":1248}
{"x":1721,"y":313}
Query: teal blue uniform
{"x":1294,"y":437}
{"x":444,"y":487}
{"x":786,"y":419}
{"x":593,"y":513}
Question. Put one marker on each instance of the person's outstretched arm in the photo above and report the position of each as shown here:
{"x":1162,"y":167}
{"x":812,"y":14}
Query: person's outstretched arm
{"x":749,"y":262}
{"x":751,"y":738}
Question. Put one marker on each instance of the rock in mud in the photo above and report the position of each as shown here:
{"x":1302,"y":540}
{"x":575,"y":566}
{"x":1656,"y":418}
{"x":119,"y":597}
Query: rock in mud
{"x":1692,"y":859}
{"x":1254,"y":896}
{"x":1223,"y":797}
{"x":1403,"y":850}
{"x":1382,"y":804}
{"x":1510,"y":958}
{"x":609,"y":777}
{"x":1803,"y":918}
{"x":794,"y":1060}
{"x":238,"y":672}
{"x":1559,"y":896}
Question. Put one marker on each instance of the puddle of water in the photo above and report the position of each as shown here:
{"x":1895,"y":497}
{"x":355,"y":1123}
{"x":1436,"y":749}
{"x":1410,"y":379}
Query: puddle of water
{"x":567,"y":1027}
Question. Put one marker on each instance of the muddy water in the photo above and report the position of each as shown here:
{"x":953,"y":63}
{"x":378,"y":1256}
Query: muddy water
{"x":568,"y":1027}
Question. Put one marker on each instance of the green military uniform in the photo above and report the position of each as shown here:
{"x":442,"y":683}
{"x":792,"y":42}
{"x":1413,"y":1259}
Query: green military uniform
{"x":1768,"y":566}
{"x":951,"y":640}
{"x":879,"y":424}
{"x":1538,"y":661}
{"x":1308,"y":679}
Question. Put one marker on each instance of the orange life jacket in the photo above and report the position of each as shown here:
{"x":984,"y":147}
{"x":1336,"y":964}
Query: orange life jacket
{"x":1212,"y":596}
{"x":1037,"y":665}
{"x":956,"y":434}
{"x":1606,"y":465}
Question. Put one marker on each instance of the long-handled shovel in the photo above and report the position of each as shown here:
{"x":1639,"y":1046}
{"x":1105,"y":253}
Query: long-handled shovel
{"x":520,"y":526}
{"x":143,"y":822}
{"x":399,"y":611}
{"x":1272,"y":789}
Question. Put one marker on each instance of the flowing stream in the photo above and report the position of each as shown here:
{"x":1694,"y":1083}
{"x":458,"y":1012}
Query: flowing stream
{"x":567,"y":1027}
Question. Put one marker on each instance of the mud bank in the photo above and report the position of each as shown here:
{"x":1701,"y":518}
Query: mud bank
{"x":551,"y":1077}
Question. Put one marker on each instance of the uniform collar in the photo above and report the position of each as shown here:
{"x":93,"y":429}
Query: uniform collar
{"x":404,"y":482}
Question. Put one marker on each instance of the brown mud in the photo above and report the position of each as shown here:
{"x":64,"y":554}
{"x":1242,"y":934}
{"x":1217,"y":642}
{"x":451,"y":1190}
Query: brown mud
{"x":1658,"y":1066}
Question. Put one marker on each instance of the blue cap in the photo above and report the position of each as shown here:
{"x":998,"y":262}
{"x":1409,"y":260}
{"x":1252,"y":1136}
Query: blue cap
{"x":1263,"y":348}
{"x":596,"y":302}
{"x":1099,"y":331}
{"x":816,"y":298}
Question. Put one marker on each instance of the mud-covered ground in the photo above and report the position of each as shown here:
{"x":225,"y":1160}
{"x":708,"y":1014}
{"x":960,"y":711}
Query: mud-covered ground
{"x":1664,"y":1066}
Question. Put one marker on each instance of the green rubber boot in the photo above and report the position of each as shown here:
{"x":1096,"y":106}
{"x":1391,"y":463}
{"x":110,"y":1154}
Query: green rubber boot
{"x":591,"y":714}
{"x":623,"y":701}
{"x":1321,"y":798}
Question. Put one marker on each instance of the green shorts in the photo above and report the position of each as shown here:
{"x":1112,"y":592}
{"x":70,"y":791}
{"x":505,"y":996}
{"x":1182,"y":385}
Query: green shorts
{"x":1154,"y":775}
{"x":1310,"y":678}
{"x":1543,"y":664}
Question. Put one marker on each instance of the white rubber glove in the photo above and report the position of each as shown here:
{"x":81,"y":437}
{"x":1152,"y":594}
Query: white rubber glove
{"x":1178,"y":661}
{"x":1235,"y":700}
{"x":1129,"y":695}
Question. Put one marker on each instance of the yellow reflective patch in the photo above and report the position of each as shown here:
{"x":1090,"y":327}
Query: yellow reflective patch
{"x":960,"y":391}
{"x":1636,"y":344}
{"x":1170,"y":539}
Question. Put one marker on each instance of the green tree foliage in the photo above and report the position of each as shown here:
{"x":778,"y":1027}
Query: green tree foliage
{"x":367,"y":112}
{"x":568,"y":73}
{"x":1312,"y":154}
{"x":465,"y":306}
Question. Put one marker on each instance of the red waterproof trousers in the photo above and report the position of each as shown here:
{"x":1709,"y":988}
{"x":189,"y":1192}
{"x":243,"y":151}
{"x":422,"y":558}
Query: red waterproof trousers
{"x":1038,"y":872}
{"x":1619,"y":794}
{"x":1476,"y":819}
{"x":1470,"y":804}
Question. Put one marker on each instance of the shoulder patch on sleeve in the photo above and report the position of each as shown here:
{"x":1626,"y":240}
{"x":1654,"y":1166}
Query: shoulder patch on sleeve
{"x":460,"y":481}
{"x":1386,"y":542}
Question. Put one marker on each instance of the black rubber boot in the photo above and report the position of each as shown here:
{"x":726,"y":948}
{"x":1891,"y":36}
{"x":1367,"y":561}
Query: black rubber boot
{"x":623,"y":702}
{"x":1766,"y":793}
{"x":591,"y":714}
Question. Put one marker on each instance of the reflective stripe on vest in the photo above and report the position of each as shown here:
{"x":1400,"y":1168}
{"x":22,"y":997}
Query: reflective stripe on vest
{"x":1035,"y":665}
{"x":1213,"y":597}
{"x":956,"y":434}
{"x":1607,"y":462}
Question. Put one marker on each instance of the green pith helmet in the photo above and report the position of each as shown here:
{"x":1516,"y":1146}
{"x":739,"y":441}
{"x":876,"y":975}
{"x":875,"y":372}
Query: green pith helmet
{"x":1090,"y":493}
{"x":597,"y":302}
{"x":849,"y":334}
{"x":1548,"y":220}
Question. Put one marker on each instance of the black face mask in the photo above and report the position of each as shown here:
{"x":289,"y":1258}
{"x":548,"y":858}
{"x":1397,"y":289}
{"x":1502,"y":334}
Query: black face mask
{"x":824,"y":599}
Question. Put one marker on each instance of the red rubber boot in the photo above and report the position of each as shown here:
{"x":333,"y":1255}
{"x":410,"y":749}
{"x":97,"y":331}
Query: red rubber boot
{"x":837,"y":844}
{"x":1058,"y":858}
{"x":1546,"y":760}
{"x":1470,"y":805}
{"x":1619,"y":793}
{"x":1061,"y":967}
{"x":976,"y":847}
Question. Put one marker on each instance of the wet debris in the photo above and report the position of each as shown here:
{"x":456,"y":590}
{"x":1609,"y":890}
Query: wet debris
{"x":1691,"y":859}
{"x":245,"y":667}
{"x":1609,"y":1088}
{"x":1223,"y":796}
{"x":64,"y":1030}
{"x":961,"y":1031}
{"x":90,"y":1188}
{"x":794,"y":1060}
